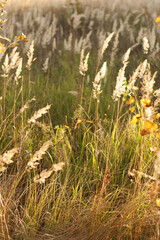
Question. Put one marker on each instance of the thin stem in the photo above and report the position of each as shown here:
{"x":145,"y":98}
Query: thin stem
{"x":82,"y":89}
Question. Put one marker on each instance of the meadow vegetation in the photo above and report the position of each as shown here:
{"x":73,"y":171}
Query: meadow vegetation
{"x":79,"y":122}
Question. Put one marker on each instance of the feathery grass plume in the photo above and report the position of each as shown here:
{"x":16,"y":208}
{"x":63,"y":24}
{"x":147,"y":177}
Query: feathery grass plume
{"x":97,"y":81}
{"x":143,"y":69}
{"x":145,"y":45}
{"x":39,"y":113}
{"x":68,"y":43}
{"x":148,"y":83}
{"x":33,"y":162}
{"x":83,"y":67}
{"x":12,"y":62}
{"x":76,"y":19}
{"x":27,"y":105}
{"x":40,"y":178}
{"x":18,"y":71}
{"x":74,"y":93}
{"x":45,"y":128}
{"x":6,"y":158}
{"x":6,"y":67}
{"x":105,"y":45}
{"x":45,"y":65}
{"x":157,"y":100}
{"x":131,"y":83}
{"x":14,"y":58}
{"x":30,"y":56}
{"x":114,"y":49}
{"x":121,"y":79}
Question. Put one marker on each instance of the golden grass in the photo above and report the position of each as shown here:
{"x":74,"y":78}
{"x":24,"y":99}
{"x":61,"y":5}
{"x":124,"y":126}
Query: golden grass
{"x":95,"y":175}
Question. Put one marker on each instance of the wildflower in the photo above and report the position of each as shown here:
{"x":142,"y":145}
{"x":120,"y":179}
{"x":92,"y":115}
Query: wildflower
{"x":158,"y":21}
{"x":135,"y":118}
{"x":2,"y":48}
{"x":22,"y":38}
{"x":145,"y":102}
{"x":130,"y":101}
{"x":149,"y":127}
{"x":131,"y":109}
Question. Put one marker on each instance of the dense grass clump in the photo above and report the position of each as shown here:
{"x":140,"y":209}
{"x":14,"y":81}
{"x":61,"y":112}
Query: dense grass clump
{"x":79,"y":123}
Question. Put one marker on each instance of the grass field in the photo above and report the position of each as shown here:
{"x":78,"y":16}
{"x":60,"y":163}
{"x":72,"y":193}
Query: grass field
{"x":79,"y":120}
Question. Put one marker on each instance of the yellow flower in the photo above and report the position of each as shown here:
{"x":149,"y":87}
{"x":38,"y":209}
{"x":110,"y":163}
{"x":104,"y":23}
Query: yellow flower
{"x":157,"y":20}
{"x":22,"y":38}
{"x":76,"y":122}
{"x":158,"y":202}
{"x":131,"y":109}
{"x":135,"y":118}
{"x":130,"y":101}
{"x":2,"y":48}
{"x":145,"y":102}
{"x":157,"y":115}
{"x":149,"y":127}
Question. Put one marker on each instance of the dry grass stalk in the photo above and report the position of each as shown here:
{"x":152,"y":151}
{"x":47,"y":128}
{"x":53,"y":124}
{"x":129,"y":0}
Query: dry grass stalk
{"x":142,"y":174}
{"x":45,"y":128}
{"x":27,"y":105}
{"x":30,"y":56}
{"x":114,"y":49}
{"x":45,"y":65}
{"x":33,"y":162}
{"x":83,"y":67}
{"x":143,"y":68}
{"x":145,"y":45}
{"x":105,"y":45}
{"x":132,"y":80}
{"x":97,"y":81}
{"x":18,"y":71}
{"x":40,"y":178}
{"x":14,"y":58}
{"x":148,"y":83}
{"x":121,"y":79}
{"x":6,"y":158}
{"x":39,"y":113}
{"x":6,"y":67}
